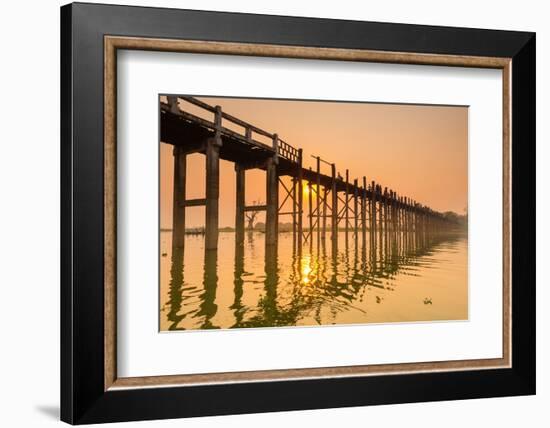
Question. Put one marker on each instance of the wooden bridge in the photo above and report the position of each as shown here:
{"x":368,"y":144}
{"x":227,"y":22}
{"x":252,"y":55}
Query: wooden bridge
{"x":352,"y":205}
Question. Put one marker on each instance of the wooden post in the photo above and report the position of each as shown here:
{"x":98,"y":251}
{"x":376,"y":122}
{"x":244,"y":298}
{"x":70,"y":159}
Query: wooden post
{"x":406,"y":215}
{"x":407,"y":222}
{"x":398,"y":219}
{"x":416,"y":227}
{"x":334,"y":211}
{"x":391,"y":222}
{"x":347,"y":203}
{"x":392,"y":212}
{"x":325,"y":195}
{"x":294,"y":211}
{"x":368,"y":204}
{"x":310,"y":214}
{"x":372,"y":225}
{"x":411,"y":220}
{"x":355,"y":209}
{"x":213,"y":184}
{"x":410,"y":227}
{"x":413,"y":223}
{"x":399,"y":212}
{"x":178,"y":210}
{"x":364,"y":212}
{"x":385,"y":210}
{"x":388,"y":210}
{"x":318,"y":198}
{"x":173,"y":103}
{"x":373,"y":211}
{"x":272,"y":198}
{"x":380,"y":215}
{"x":300,"y":200}
{"x":396,"y":209}
{"x":240,"y":203}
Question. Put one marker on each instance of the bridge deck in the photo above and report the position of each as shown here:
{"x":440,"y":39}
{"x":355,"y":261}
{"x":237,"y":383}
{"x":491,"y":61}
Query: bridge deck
{"x":188,"y":131}
{"x":232,"y":139}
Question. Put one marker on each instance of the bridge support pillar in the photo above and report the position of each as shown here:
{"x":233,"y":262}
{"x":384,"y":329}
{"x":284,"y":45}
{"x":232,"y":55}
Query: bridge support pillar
{"x":300,"y":195}
{"x":212,"y":193}
{"x":387,"y":220}
{"x":373,"y":212}
{"x":318,"y":201}
{"x":310,"y":212}
{"x":380,"y":225}
{"x":272,"y":203}
{"x":334,"y":213}
{"x":364,"y":213}
{"x":355,"y":209}
{"x":294,"y":212}
{"x":325,"y":196}
{"x":240,"y":203}
{"x":178,"y":210}
{"x":346,"y":199}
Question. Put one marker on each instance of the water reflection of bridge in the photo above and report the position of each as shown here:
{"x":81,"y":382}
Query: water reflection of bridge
{"x":319,"y":280}
{"x":353,"y":206}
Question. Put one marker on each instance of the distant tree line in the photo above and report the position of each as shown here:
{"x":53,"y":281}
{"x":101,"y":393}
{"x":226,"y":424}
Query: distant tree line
{"x":456,"y":218}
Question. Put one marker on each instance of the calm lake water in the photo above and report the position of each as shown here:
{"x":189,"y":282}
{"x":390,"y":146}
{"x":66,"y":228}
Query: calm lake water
{"x":399,"y":281}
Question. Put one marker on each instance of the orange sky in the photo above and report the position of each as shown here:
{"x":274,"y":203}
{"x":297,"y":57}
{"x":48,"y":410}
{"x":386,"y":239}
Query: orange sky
{"x":419,"y":151}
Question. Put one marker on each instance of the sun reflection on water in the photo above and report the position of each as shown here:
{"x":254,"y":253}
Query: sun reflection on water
{"x":305,"y":269}
{"x":379,"y":283}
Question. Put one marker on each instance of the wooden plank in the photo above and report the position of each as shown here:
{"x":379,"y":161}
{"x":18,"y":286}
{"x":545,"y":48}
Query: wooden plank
{"x":194,"y":202}
{"x":255,"y":208}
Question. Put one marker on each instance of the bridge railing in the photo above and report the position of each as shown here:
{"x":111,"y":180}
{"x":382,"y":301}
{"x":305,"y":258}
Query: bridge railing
{"x":287,"y":151}
{"x":282,"y":148}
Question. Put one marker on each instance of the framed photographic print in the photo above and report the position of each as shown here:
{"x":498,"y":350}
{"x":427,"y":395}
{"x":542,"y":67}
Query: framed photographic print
{"x":265,"y":213}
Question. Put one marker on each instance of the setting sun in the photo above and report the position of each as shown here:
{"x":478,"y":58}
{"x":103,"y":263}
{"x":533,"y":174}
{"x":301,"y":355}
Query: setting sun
{"x":307,"y":190}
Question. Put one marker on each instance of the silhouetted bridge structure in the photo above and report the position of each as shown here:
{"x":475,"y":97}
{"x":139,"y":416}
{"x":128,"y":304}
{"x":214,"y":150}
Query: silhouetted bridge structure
{"x":355,"y":205}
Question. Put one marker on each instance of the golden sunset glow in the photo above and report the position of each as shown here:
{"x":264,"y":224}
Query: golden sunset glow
{"x":421,"y":151}
{"x":305,"y":263}
{"x":257,"y":250}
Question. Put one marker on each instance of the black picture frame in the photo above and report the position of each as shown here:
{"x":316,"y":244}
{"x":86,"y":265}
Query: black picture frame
{"x":83,"y":398}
